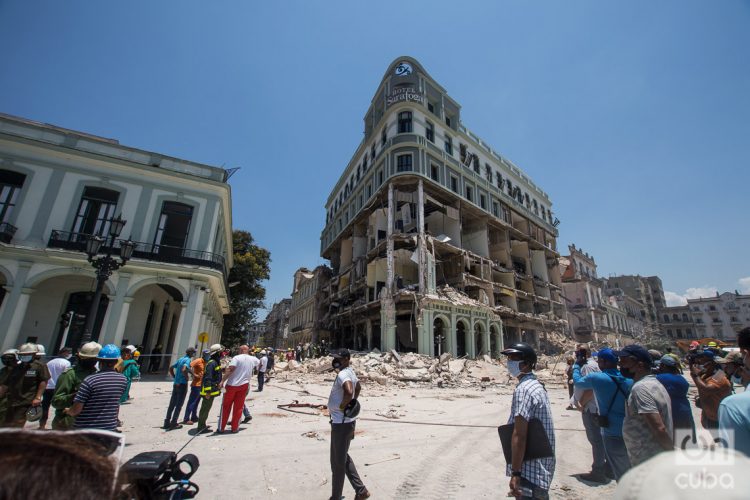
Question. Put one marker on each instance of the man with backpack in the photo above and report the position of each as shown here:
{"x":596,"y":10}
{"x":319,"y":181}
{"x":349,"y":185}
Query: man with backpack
{"x":611,"y":390}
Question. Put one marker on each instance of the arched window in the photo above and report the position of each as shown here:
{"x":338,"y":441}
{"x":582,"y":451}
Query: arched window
{"x":666,"y":318}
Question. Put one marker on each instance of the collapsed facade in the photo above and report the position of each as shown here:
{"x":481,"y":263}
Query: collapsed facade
{"x":436,"y":242}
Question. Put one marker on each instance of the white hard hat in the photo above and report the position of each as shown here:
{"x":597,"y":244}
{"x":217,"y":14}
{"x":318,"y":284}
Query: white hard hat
{"x":41,"y":349}
{"x":263,"y":351}
{"x":216,"y":348}
{"x":131,"y":348}
{"x":28,"y":348}
{"x":89,"y":350}
{"x":10,"y":352}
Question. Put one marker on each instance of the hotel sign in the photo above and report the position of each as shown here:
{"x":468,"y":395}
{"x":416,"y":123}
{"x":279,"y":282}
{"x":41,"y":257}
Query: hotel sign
{"x":404,"y":94}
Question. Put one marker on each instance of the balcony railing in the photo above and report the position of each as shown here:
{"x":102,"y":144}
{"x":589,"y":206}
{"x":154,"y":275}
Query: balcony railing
{"x":7,"y":231}
{"x":146,"y":251}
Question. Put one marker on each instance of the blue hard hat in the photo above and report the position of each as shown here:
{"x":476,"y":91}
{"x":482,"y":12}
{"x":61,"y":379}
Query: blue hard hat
{"x":109,"y":351}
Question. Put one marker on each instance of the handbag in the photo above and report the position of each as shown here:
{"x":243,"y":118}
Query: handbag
{"x":537,"y":441}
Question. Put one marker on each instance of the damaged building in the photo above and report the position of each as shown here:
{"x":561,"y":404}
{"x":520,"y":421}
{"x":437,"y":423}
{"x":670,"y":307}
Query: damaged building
{"x":437,"y":243}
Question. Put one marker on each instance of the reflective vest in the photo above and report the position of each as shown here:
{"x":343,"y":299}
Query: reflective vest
{"x":211,"y":379}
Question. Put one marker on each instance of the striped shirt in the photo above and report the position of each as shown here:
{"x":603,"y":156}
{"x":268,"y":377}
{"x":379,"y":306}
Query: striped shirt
{"x":530,"y":401}
{"x":100,"y":394}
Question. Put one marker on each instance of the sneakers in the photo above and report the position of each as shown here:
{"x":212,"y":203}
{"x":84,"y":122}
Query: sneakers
{"x":362,"y":496}
{"x":247,"y":419}
{"x":594,"y":477}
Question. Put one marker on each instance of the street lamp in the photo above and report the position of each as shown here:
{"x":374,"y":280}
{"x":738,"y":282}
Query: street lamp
{"x":105,"y":266}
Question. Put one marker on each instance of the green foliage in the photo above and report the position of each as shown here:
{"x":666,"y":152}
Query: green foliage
{"x":251,"y":268}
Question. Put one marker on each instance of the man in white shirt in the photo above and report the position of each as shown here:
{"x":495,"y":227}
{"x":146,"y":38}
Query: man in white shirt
{"x":262,"y":370}
{"x":342,"y":400}
{"x":56,"y":367}
{"x":237,"y":382}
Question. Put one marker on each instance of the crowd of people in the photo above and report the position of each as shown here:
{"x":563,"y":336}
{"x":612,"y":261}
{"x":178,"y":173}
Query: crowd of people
{"x":633,"y":401}
{"x":635,"y":405}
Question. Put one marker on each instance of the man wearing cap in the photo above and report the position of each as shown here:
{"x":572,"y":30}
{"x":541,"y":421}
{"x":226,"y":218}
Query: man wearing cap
{"x":210,"y":386}
{"x":584,"y":399}
{"x":713,"y":386}
{"x":647,"y":428}
{"x":97,"y":403}
{"x":343,"y":396}
{"x":23,"y":386}
{"x":262,"y":370}
{"x":734,"y":411}
{"x":731,"y":365}
{"x":528,"y":478}
{"x":180,"y":370}
{"x":611,"y":391}
{"x":198,"y":366}
{"x":68,"y":383}
{"x":56,"y":367}
{"x":129,"y":369}
{"x":669,"y":374}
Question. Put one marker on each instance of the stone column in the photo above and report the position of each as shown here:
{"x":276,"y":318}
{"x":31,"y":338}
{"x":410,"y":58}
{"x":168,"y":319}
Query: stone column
{"x":14,"y":307}
{"x":114,"y":316}
{"x":486,"y":341}
{"x":190,"y":314}
{"x":387,"y":306}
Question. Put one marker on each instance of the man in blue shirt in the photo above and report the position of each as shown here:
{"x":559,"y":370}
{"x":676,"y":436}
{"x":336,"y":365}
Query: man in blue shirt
{"x":180,"y":371}
{"x":734,"y":411}
{"x":611,"y":390}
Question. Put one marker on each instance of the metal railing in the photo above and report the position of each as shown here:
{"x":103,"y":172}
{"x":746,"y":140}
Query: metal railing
{"x":146,"y":251}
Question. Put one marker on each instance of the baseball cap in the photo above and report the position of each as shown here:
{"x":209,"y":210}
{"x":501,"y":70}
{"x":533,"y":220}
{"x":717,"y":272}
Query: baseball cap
{"x":732,"y":357}
{"x":341,"y":353}
{"x":607,"y":354}
{"x":706,"y":353}
{"x":635,"y":351}
{"x":668,"y":360}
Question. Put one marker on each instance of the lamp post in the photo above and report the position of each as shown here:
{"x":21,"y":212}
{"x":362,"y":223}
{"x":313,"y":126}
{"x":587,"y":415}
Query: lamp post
{"x":105,"y":266}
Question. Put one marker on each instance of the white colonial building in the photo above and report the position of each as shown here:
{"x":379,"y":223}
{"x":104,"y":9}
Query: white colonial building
{"x":57,"y":188}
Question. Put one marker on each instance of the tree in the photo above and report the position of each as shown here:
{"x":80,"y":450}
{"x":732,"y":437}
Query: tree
{"x":251,"y":268}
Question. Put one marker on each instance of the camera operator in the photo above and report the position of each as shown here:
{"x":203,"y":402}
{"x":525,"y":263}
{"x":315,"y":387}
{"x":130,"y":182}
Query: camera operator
{"x":713,"y":386}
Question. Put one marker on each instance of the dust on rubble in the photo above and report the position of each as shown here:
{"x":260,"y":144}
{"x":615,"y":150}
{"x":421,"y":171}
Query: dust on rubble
{"x":390,"y":369}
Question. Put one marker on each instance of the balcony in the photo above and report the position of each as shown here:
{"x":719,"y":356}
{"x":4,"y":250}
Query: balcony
{"x":7,"y":231}
{"x":145,"y":251}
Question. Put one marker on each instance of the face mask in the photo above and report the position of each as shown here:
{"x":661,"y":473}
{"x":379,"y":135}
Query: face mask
{"x":736,"y":379}
{"x":206,"y":357}
{"x":627,"y":373}
{"x":514,"y":368}
{"x":26,"y":358}
{"x":68,"y":356}
{"x":336,"y":364}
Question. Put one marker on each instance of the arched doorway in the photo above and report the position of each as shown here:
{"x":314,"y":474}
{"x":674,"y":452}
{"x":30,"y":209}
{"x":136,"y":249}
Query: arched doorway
{"x":440,"y":338}
{"x":460,"y":339}
{"x":153,"y":318}
{"x":478,"y":340}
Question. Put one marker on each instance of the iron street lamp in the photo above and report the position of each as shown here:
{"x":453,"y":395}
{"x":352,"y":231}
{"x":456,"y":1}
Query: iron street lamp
{"x":105,"y":266}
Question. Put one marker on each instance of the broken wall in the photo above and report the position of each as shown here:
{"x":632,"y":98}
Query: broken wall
{"x":476,"y":241}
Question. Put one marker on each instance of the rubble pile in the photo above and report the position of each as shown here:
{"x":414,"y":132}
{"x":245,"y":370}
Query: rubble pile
{"x":392,"y":368}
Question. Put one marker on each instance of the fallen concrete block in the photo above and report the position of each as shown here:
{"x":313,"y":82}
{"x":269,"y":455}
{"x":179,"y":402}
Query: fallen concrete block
{"x":456,"y":366}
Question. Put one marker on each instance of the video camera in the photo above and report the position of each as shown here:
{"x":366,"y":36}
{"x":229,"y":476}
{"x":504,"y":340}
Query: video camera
{"x":159,"y":475}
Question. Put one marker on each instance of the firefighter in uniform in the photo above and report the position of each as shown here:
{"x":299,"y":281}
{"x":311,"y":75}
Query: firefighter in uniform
{"x":210,"y":386}
{"x":23,"y":386}
{"x":68,"y":383}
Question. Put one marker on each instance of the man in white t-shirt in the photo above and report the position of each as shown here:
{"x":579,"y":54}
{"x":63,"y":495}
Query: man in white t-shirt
{"x":262,"y":370}
{"x":343,"y":398}
{"x":237,"y":382}
{"x":56,"y":367}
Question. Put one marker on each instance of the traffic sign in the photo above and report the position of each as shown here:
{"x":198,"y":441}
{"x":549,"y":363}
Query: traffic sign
{"x":203,"y":337}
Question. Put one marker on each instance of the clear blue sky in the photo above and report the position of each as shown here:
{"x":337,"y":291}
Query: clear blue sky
{"x":634,"y":116}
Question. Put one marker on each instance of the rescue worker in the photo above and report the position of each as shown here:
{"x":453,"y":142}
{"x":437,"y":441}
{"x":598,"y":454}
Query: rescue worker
{"x":68,"y":383}
{"x":23,"y":386}
{"x":97,"y":402}
{"x":210,"y":386}
{"x":9,"y":361}
{"x":129,"y":370}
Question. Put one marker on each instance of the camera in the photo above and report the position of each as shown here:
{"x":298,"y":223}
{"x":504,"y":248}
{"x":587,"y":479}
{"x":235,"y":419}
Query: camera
{"x":159,"y":475}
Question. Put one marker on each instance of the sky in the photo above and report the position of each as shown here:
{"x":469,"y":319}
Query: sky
{"x":633,"y":116}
